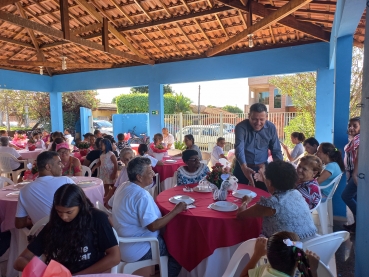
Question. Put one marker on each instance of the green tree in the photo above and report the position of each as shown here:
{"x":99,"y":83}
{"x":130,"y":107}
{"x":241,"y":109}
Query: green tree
{"x":114,"y":100}
{"x":183,"y":103}
{"x":232,"y":109}
{"x":145,"y":89}
{"x":356,"y":80}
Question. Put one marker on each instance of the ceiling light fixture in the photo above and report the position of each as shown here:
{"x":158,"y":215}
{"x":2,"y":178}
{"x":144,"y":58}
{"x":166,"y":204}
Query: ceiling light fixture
{"x":251,"y":40}
{"x":64,"y":62}
{"x":41,"y":70}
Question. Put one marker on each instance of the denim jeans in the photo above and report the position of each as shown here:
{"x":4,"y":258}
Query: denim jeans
{"x":173,"y":266}
{"x":349,"y":196}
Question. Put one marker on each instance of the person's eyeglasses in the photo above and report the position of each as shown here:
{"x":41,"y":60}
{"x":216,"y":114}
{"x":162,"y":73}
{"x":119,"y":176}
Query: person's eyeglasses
{"x":194,"y":159}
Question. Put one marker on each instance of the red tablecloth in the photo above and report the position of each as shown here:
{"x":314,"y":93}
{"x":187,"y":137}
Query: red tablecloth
{"x":167,"y":170}
{"x":194,"y":235}
{"x":135,"y":148}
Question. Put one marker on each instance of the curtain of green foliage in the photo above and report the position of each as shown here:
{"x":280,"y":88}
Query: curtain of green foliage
{"x":232,"y":109}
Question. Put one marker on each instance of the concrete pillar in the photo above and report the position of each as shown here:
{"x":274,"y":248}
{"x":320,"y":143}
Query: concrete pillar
{"x":342,"y":109}
{"x":324,"y":105}
{"x":56,"y":112}
{"x":362,"y":215}
{"x":156,"y":108}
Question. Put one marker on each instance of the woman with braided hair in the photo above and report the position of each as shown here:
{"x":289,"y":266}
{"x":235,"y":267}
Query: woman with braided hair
{"x":285,"y":256}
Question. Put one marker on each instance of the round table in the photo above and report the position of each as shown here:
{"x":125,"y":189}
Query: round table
{"x":195,"y":234}
{"x":8,"y":208}
{"x":30,"y":155}
{"x":166,"y":172}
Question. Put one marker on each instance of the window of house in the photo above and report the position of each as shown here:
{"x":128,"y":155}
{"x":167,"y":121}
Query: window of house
{"x":277,"y":99}
{"x":264,"y":98}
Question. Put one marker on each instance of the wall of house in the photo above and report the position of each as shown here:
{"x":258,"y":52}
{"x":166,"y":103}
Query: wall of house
{"x":103,"y":114}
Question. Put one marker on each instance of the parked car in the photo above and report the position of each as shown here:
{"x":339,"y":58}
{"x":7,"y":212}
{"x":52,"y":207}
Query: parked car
{"x":203,"y":134}
{"x":104,"y":126}
{"x":226,"y":126}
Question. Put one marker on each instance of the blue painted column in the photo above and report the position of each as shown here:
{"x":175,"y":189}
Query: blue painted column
{"x":324,"y":105}
{"x":56,"y":111}
{"x":342,"y":109}
{"x":156,"y":108}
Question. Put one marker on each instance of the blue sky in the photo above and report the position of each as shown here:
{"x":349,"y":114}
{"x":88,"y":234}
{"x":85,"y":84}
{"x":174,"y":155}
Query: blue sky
{"x":217,"y":93}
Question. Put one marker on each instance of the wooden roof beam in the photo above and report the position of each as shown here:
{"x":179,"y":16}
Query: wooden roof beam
{"x":272,"y":18}
{"x":40,"y":54}
{"x":17,"y":42}
{"x":4,"y":3}
{"x":289,"y":21}
{"x":64,"y":16}
{"x":86,"y":29}
{"x":19,"y":21}
{"x":91,"y":10}
{"x":58,"y":65}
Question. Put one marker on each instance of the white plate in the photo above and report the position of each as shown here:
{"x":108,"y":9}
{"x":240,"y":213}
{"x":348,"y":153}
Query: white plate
{"x":181,"y":198}
{"x":13,"y":194}
{"x":199,"y":189}
{"x":224,"y":206}
{"x":84,"y":184}
{"x":242,"y":192}
{"x":21,"y":185}
{"x":170,"y":161}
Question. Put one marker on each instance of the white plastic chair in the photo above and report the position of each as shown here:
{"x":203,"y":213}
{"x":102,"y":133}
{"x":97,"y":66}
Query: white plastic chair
{"x":86,"y":169}
{"x":325,"y":209}
{"x":205,"y":157}
{"x":154,"y":189}
{"x":4,"y":180}
{"x":101,"y":207}
{"x":323,"y":270}
{"x":174,"y":180}
{"x":5,"y":166}
{"x":92,"y":165}
{"x":317,"y":205}
{"x":325,"y":246}
{"x":173,"y":152}
{"x":129,"y":268}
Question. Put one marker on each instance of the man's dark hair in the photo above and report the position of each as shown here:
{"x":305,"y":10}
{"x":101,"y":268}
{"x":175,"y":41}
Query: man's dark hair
{"x":87,"y":135}
{"x":44,"y":158}
{"x":2,"y":132}
{"x":312,"y":141}
{"x":220,"y":139}
{"x":136,"y":166}
{"x":258,"y":108}
{"x":97,"y":142}
{"x":96,"y":132}
{"x":4,"y":141}
{"x":120,"y":136}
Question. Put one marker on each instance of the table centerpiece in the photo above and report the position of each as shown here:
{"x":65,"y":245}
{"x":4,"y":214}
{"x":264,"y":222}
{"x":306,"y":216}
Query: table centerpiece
{"x":83,"y":148}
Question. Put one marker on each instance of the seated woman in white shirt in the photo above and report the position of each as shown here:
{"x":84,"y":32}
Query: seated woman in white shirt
{"x":78,"y":236}
{"x":125,"y":155}
{"x":297,"y":139}
{"x":135,"y":214}
{"x":218,"y":152}
{"x":143,"y":152}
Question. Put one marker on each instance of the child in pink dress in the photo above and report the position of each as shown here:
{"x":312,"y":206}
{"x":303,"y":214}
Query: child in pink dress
{"x":108,"y":165}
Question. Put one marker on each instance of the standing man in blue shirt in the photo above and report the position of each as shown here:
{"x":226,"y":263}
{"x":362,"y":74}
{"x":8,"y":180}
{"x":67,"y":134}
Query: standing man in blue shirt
{"x":254,"y":136}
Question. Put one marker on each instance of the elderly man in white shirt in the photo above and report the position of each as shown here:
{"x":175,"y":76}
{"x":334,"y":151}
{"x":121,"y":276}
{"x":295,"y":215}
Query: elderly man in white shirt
{"x":168,"y":138}
{"x":135,"y":214}
{"x":36,"y":198}
{"x":5,"y":148}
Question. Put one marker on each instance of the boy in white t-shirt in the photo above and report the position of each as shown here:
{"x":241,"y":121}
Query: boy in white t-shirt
{"x":217,"y":152}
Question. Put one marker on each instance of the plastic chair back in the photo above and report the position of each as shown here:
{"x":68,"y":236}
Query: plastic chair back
{"x":39,"y":225}
{"x":173,"y":152}
{"x":245,"y":248}
{"x":92,"y":165}
{"x":325,"y":246}
{"x":174,"y":180}
{"x":325,"y":209}
{"x":101,"y":207}
{"x":5,"y":166}
{"x":4,"y":180}
{"x":86,"y":169}
{"x":323,"y":270}
{"x":153,"y":190}
{"x":206,"y":156}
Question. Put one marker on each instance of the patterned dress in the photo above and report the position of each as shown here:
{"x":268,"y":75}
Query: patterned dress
{"x":311,"y":192}
{"x":106,"y":168}
{"x":184,"y":177}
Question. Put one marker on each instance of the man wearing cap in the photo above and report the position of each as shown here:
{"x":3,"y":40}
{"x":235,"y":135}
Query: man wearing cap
{"x":36,"y":198}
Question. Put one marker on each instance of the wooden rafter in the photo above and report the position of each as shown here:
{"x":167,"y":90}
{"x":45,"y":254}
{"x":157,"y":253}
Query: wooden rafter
{"x":271,"y":33}
{"x":175,"y":46}
{"x":86,"y":29}
{"x":186,"y":6}
{"x":4,"y":3}
{"x":40,"y":54}
{"x":144,"y":11}
{"x":118,"y":7}
{"x":19,"y":21}
{"x":64,"y":18}
{"x":190,"y":41}
{"x":153,"y":43}
{"x":17,"y":42}
{"x":202,"y":31}
{"x":289,"y":21}
{"x":105,"y":35}
{"x":272,"y":18}
{"x":105,"y":14}
{"x":112,"y":29}
{"x":58,"y":65}
{"x":165,"y":8}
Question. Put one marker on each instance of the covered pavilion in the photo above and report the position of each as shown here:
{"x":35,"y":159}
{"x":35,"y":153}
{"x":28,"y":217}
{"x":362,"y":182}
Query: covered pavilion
{"x":125,"y":43}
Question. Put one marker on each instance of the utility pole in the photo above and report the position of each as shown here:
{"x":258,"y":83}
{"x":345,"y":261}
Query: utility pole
{"x":198,"y":107}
